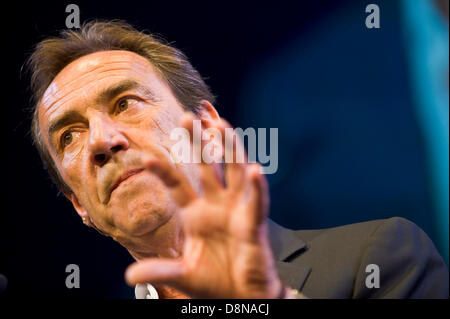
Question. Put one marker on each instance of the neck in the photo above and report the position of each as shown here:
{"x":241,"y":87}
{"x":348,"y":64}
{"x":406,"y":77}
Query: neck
{"x":168,"y":246}
{"x":164,"y":242}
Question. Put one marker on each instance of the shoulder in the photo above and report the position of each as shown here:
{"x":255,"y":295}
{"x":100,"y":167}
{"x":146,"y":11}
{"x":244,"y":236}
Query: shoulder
{"x":362,"y":227}
{"x":360,"y":230}
{"x":408,"y":262}
{"x":390,"y":233}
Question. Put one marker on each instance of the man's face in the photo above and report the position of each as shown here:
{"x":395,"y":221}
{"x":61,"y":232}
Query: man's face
{"x":103,"y":118}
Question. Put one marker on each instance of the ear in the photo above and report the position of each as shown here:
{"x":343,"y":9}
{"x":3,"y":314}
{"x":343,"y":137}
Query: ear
{"x":77,"y":205}
{"x":207,"y":111}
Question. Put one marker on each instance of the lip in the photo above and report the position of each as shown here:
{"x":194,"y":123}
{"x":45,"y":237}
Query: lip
{"x":126,"y":175}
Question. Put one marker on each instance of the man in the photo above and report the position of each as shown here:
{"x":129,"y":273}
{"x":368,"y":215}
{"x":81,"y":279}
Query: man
{"x":107,"y":99}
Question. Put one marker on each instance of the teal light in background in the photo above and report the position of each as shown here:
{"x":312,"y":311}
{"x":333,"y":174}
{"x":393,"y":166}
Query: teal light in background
{"x":427,"y":46}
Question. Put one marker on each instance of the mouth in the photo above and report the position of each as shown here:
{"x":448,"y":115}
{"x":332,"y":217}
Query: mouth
{"x":126,"y":175}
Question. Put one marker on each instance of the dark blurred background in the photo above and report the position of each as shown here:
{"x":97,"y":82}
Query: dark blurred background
{"x":362,"y":116}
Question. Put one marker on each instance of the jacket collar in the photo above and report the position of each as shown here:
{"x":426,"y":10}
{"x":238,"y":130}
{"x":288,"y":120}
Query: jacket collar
{"x":286,"y":246}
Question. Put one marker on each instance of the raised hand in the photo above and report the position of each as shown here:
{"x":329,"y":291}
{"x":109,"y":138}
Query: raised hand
{"x":226,"y":252}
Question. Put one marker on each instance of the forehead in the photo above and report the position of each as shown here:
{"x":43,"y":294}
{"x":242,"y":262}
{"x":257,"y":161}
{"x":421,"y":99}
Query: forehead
{"x":79,"y":81}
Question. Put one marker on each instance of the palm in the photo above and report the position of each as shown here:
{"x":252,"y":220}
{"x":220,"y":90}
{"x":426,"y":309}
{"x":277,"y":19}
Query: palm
{"x":226,"y":252}
{"x":218,"y":249}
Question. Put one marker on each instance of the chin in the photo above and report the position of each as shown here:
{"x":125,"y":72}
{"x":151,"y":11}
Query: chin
{"x":141,"y":205}
{"x":141,"y":219}
{"x":142,"y":213}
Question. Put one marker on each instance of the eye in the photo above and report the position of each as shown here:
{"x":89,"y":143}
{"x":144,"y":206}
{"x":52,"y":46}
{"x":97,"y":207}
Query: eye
{"x":67,"y":138}
{"x":122,"y":105}
{"x":127,"y":102}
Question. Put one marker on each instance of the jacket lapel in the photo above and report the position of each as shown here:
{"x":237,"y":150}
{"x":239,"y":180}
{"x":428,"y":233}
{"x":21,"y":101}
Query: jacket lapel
{"x":286,"y":247}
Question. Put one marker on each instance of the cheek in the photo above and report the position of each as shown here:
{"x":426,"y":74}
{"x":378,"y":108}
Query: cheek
{"x":73,"y":171}
{"x":167,"y":121}
{"x":167,"y":117}
{"x":141,"y":206}
{"x":171,"y":119}
{"x":154,"y":130}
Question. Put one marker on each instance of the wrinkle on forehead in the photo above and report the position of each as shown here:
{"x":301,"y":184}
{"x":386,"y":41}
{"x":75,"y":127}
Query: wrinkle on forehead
{"x":74,"y":78}
{"x":103,"y":59}
{"x":136,"y":66}
{"x":51,"y":92}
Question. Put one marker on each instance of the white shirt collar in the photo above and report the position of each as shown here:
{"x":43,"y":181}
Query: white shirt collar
{"x":145,"y":291}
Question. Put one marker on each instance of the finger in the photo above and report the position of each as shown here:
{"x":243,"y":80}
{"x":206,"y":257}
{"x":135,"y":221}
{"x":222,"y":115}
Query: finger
{"x":259,"y":201}
{"x":193,"y":125}
{"x":180,"y":188}
{"x":235,"y":157}
{"x":156,"y":271}
{"x":208,"y":174}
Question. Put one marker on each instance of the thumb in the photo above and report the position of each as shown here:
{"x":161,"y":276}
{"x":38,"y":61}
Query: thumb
{"x":156,"y":271}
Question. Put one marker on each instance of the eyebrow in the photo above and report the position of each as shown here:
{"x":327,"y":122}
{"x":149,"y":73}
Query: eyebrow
{"x":110,"y":93}
{"x":67,"y":119}
{"x":103,"y":97}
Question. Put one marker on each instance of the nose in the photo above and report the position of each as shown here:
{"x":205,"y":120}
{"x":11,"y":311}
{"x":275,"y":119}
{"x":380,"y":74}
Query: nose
{"x":105,"y":140}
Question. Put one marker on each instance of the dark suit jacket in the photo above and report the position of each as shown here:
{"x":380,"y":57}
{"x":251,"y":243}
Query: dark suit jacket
{"x":331,"y":263}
